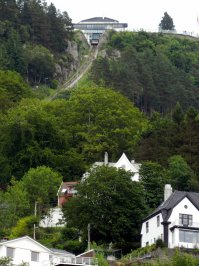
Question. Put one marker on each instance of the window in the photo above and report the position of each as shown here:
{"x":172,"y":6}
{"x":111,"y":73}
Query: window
{"x":147,"y":227}
{"x":185,"y":219}
{"x":189,"y":236}
{"x":34,"y":256}
{"x":158,"y":221}
{"x":10,"y":252}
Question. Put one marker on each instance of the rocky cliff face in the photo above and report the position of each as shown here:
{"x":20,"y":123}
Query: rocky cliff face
{"x":75,"y":53}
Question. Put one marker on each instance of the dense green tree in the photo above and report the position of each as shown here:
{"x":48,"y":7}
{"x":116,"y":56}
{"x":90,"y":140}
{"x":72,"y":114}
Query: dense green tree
{"x":178,"y":114}
{"x":13,"y":86}
{"x":24,"y":227}
{"x":30,"y":137}
{"x":111,"y":203}
{"x":103,"y":120}
{"x":179,"y":173}
{"x":41,"y":185}
{"x":16,"y":53}
{"x":166,"y":22}
{"x":157,"y":142}
{"x":153,"y":177}
{"x":40,"y":65}
{"x":155,"y":71}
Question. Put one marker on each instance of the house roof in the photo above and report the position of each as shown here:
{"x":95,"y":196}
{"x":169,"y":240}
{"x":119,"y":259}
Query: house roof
{"x":99,"y":19}
{"x":24,"y":237}
{"x":51,"y":250}
{"x":167,"y":206}
{"x":123,"y":162}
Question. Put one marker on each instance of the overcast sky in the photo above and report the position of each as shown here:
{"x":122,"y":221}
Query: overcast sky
{"x":139,"y":14}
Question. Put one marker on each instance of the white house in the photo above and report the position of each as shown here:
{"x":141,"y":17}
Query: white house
{"x":123,"y":162}
{"x":53,"y":219}
{"x":26,"y":249}
{"x":175,"y":221}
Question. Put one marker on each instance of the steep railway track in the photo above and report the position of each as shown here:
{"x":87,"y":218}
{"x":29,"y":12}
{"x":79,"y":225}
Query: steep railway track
{"x":73,"y":80}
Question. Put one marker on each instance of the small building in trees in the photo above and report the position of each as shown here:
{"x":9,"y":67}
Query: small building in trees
{"x":93,"y":28}
{"x":175,"y":221}
{"x":66,"y":191}
{"x":55,"y":218}
{"x":123,"y":162}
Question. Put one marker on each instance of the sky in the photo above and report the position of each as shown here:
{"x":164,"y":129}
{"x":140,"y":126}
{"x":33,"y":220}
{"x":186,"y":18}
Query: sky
{"x":139,"y":14}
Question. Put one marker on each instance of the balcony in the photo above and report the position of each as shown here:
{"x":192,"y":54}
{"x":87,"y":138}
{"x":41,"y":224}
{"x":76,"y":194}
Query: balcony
{"x":77,"y":261}
{"x":190,"y":224}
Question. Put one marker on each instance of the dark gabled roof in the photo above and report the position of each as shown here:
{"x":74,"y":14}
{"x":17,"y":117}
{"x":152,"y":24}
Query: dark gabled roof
{"x":167,"y":206}
{"x":99,"y":19}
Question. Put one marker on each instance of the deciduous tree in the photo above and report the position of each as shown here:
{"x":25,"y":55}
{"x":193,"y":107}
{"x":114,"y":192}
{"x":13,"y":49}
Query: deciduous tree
{"x":111,"y":203}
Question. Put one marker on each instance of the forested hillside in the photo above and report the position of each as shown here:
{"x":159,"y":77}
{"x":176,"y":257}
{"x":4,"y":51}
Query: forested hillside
{"x":34,"y":40}
{"x":154,"y":70}
{"x":140,"y":97}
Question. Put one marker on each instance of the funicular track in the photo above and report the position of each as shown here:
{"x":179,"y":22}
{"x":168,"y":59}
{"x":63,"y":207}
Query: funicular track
{"x":81,"y":70}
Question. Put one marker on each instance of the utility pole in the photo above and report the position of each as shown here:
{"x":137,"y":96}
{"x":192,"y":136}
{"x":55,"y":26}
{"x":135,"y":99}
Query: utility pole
{"x":34,"y":228}
{"x":35,"y":208}
{"x":89,"y":236}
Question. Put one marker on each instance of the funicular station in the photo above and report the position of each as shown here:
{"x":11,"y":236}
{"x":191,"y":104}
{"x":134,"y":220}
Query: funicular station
{"x":93,"y":28}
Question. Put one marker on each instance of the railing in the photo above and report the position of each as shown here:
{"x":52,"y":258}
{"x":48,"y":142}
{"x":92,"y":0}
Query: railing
{"x":71,"y":261}
{"x":86,"y":261}
{"x":178,"y":223}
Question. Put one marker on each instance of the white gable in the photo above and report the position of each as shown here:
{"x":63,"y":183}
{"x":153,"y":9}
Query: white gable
{"x":25,"y":242}
{"x":124,"y":163}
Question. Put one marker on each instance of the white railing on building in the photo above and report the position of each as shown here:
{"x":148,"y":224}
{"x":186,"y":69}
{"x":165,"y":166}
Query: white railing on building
{"x":178,"y":223}
{"x":71,"y":261}
{"x":174,"y":32}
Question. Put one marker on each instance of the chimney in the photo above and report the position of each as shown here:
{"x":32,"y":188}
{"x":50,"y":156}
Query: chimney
{"x":167,"y":191}
{"x":106,"y":158}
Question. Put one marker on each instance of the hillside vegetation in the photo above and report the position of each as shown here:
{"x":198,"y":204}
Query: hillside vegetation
{"x":153,"y":70}
{"x":140,"y":97}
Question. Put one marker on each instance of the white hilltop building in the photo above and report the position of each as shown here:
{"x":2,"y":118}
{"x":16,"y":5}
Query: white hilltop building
{"x":123,"y":162}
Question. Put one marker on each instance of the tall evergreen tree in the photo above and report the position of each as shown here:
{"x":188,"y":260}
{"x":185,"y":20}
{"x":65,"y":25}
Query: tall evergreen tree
{"x":166,"y":22}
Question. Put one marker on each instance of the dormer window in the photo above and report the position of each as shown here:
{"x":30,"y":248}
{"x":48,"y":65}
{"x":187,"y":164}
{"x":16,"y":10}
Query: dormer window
{"x":185,"y":219}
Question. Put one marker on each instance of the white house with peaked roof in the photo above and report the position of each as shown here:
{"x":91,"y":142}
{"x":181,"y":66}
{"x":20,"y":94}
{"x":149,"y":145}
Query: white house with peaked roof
{"x":175,"y":221}
{"x":26,"y":249}
{"x":123,"y":162}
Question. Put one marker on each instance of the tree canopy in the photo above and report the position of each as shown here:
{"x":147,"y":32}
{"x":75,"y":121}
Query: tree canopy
{"x":166,"y":22}
{"x":111,"y":203}
{"x":154,"y":70}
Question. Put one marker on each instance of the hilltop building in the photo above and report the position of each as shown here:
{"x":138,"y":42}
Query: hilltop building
{"x":93,"y":28}
{"x":175,"y":221}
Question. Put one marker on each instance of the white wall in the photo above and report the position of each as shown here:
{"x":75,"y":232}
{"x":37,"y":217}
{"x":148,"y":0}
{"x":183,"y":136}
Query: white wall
{"x":53,"y":219}
{"x":154,"y":233}
{"x":22,"y":251}
{"x":174,"y":219}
